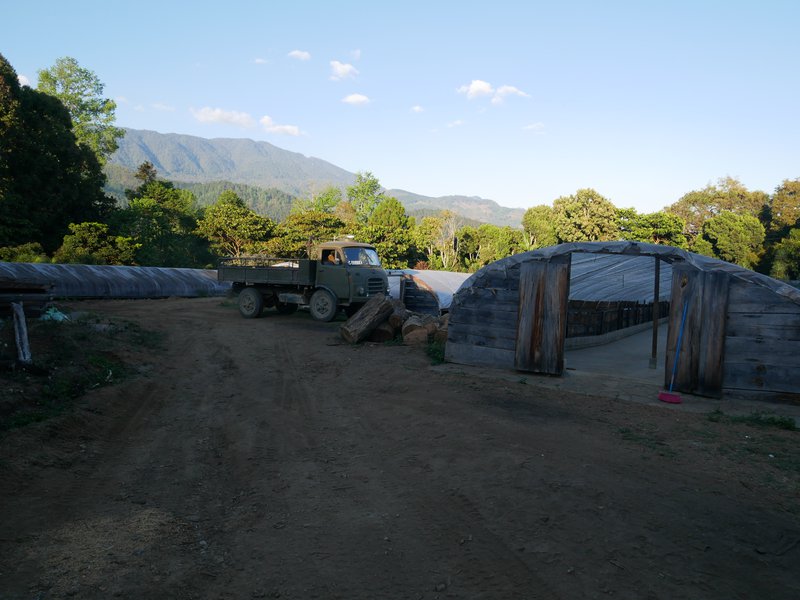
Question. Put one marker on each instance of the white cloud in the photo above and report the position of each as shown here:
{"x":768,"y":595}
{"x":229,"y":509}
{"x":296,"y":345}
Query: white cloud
{"x":260,"y":61}
{"x":271,"y":127}
{"x":342,"y":70}
{"x":218,"y":115}
{"x":507,"y":90}
{"x":356,"y":99}
{"x":417,"y":109}
{"x":476,"y":88}
{"x":534,"y":127}
{"x":299,"y":55}
{"x":138,"y":108}
{"x":121,"y":100}
{"x":163,"y":107}
{"x":456,"y":123}
{"x":356,"y":54}
{"x":23,"y":80}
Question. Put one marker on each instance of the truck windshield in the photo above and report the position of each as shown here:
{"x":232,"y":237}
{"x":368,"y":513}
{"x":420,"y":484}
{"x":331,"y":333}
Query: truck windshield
{"x":362,"y":256}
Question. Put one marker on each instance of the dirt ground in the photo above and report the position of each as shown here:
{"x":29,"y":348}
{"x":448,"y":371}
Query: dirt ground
{"x":268,"y":459}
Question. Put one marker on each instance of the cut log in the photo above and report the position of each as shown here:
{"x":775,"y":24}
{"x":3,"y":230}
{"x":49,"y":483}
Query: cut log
{"x":382,"y":333}
{"x":413,"y":323}
{"x":399,"y":315}
{"x":360,"y":325}
{"x":416,"y":337}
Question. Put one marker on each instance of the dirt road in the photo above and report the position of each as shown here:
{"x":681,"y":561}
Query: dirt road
{"x":268,"y":459}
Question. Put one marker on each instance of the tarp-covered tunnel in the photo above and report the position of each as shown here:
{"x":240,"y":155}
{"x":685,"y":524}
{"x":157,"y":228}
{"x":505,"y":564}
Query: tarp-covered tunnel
{"x":103,"y":281}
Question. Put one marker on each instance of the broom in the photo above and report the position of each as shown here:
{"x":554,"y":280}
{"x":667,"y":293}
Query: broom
{"x":670,"y":396}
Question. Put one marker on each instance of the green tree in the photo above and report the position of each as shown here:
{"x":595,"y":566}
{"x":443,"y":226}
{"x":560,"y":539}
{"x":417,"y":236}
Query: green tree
{"x":389,"y":229}
{"x":735,"y":238}
{"x":786,"y":262}
{"x":697,"y":206}
{"x":653,"y":228}
{"x":31,"y":252}
{"x":91,"y":244}
{"x":538,"y":223}
{"x":231,"y":227}
{"x":437,"y":238}
{"x":298,"y":234}
{"x":785,"y":205}
{"x":468,"y":247}
{"x":325,"y":201}
{"x":365,"y":195}
{"x":585,"y":216}
{"x":163,"y":221}
{"x":81,"y":92}
{"x":47,"y":180}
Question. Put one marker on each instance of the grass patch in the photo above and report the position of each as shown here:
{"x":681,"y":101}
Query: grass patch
{"x":69,"y":359}
{"x":648,"y":439}
{"x":754,"y":419}
{"x":435,"y":351}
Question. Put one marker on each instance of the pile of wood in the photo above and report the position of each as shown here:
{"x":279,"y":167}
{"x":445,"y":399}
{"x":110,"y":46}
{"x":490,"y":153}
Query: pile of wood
{"x":383,"y":319}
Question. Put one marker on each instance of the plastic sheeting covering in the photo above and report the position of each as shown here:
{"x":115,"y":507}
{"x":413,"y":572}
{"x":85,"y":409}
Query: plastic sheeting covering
{"x":442,"y":284}
{"x":103,"y":281}
{"x":603,"y":279}
{"x":610,"y":277}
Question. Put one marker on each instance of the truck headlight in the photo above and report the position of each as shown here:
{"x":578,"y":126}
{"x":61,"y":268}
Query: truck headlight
{"x":361,"y":291}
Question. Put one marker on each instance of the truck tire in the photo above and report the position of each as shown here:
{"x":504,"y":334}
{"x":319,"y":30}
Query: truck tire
{"x":251,"y":303}
{"x":286,"y":308}
{"x":322,"y":306}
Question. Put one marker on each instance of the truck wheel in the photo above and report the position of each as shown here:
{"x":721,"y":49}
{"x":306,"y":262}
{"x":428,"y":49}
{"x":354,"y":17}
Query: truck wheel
{"x":323,"y":306}
{"x":286,"y":308}
{"x":251,"y":302}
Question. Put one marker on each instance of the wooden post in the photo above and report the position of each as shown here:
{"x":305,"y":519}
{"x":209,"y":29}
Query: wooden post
{"x":21,"y":333}
{"x":656,"y":307}
{"x":542,"y":316}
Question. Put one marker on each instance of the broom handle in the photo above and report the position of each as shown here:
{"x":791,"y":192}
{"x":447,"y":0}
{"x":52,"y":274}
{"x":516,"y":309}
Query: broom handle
{"x":678,"y":349}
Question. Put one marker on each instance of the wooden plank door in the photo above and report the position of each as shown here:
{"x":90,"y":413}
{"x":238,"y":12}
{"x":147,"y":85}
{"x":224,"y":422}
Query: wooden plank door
{"x":702,"y":351}
{"x":542,"y":316}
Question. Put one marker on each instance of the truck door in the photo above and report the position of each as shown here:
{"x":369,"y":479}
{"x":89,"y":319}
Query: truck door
{"x":331,"y":273}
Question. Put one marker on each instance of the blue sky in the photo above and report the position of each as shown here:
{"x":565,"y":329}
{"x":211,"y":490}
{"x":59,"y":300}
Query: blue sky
{"x":519,"y":102}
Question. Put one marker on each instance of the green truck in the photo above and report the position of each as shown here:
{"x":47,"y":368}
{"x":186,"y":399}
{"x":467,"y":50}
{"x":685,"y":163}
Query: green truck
{"x":345,"y":276}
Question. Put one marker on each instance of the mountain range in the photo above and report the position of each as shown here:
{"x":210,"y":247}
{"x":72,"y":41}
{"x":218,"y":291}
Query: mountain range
{"x":192,"y":162}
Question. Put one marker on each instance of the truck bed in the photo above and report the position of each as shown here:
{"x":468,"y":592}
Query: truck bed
{"x":261,"y":269}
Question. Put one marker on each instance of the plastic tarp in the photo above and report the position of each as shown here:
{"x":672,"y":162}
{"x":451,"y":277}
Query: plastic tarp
{"x":595,"y":279}
{"x":103,"y":281}
{"x":442,"y":284}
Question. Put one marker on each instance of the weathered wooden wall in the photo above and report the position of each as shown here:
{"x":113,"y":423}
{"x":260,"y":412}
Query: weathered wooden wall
{"x":483,"y":321}
{"x":762,"y":341}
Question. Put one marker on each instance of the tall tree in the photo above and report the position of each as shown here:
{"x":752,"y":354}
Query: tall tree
{"x":735,"y":238}
{"x":786,"y":263}
{"x":298,"y":234}
{"x":697,"y":206}
{"x":653,"y":228}
{"x":231,"y":227}
{"x":539,"y":227}
{"x":324,"y":201}
{"x":365,"y":195}
{"x":585,"y":216}
{"x":388,"y":228}
{"x":47,"y":180}
{"x":163,"y":220}
{"x":92,"y":244}
{"x":81,"y":92}
{"x":785,"y":205}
